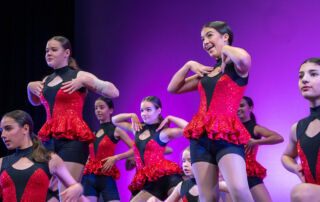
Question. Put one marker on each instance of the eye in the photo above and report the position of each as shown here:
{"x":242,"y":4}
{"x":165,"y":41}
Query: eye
{"x":313,"y":74}
{"x":300,"y":76}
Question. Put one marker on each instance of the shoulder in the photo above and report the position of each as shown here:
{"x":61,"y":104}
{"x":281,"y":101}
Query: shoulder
{"x":293,"y":132}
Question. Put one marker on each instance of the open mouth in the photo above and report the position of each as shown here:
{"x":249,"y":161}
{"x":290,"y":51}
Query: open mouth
{"x":209,"y":47}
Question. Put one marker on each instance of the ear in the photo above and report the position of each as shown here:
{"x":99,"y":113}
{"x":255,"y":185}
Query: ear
{"x":26,"y":128}
{"x":67,"y":51}
{"x":226,"y":38}
{"x":251,"y":108}
{"x":111,"y":111}
{"x":159,"y":110}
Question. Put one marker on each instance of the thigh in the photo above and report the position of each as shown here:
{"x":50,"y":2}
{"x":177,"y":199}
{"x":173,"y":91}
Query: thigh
{"x":233,"y":169}
{"x":260,"y":193}
{"x":206,"y":175}
{"x":142,"y":196}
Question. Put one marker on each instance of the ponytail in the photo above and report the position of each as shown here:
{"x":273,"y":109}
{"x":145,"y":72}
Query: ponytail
{"x":39,"y":152}
{"x":73,"y":63}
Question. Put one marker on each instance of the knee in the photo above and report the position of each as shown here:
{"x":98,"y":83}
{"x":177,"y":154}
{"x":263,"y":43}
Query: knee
{"x":239,"y":192}
{"x":299,"y":193}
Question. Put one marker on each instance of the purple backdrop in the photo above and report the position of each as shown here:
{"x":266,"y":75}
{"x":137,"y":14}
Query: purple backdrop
{"x":139,"y":45}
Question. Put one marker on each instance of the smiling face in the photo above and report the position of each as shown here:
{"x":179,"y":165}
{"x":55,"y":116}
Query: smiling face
{"x":244,"y":111}
{"x":102,"y":111}
{"x":213,"y":41}
{"x":13,"y":135}
{"x":309,"y":81}
{"x":186,"y":163}
{"x":149,"y":113}
{"x":56,"y":56}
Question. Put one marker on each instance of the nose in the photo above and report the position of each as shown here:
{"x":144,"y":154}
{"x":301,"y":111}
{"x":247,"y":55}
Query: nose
{"x":205,"y":41}
{"x":305,"y":79}
{"x":3,"y":134}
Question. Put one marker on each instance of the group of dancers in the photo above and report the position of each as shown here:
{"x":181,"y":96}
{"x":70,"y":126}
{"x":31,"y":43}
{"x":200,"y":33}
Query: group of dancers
{"x":66,"y":161}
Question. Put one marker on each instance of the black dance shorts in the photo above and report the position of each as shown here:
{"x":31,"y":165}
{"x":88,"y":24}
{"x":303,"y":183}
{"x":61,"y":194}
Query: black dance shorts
{"x":160,"y":187}
{"x":211,"y":151}
{"x":69,"y":150}
{"x":94,"y":185}
{"x":253,"y":181}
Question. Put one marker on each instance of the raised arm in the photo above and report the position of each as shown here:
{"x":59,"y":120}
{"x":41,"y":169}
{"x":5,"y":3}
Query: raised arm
{"x":239,"y":57}
{"x":90,"y":81}
{"x":270,"y":137}
{"x":290,"y":154}
{"x":170,"y":133}
{"x":180,"y":84}
{"x":121,"y":120}
{"x":110,"y":161}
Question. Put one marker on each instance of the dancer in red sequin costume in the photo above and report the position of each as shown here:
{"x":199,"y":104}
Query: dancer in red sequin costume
{"x":62,"y":94}
{"x":256,"y":172}
{"x":155,"y":176}
{"x":304,"y":138}
{"x":186,"y":190}
{"x":100,"y":171}
{"x":25,"y":175}
{"x":216,"y":134}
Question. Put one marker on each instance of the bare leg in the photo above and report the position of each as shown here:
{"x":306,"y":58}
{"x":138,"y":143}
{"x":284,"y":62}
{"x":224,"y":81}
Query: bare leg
{"x":142,"y":196}
{"x":206,"y":176}
{"x":75,"y":170}
{"x":92,"y":198}
{"x":233,"y":169}
{"x":305,"y":192}
{"x":260,"y":193}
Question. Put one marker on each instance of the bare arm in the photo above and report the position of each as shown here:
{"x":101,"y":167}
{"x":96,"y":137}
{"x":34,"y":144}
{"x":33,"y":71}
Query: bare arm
{"x":290,"y":154}
{"x":111,"y":160}
{"x":180,"y":84}
{"x":90,"y":81}
{"x":270,"y":137}
{"x":58,"y":168}
{"x":170,"y":133}
{"x":121,"y":120}
{"x":239,"y":57}
{"x":175,"y":195}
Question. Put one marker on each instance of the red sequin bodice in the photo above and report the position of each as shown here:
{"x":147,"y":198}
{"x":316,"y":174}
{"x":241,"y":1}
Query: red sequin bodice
{"x":66,"y":121}
{"x":105,"y":148}
{"x":219,"y":121}
{"x":151,"y":165}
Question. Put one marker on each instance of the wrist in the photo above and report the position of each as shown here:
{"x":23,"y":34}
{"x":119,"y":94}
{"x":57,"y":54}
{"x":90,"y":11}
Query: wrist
{"x":189,"y":64}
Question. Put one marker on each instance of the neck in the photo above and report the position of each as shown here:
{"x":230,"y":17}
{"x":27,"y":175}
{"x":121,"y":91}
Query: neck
{"x":28,"y":143}
{"x":105,"y":121}
{"x":244,"y":119}
{"x":314,"y":103}
{"x":61,"y":65}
